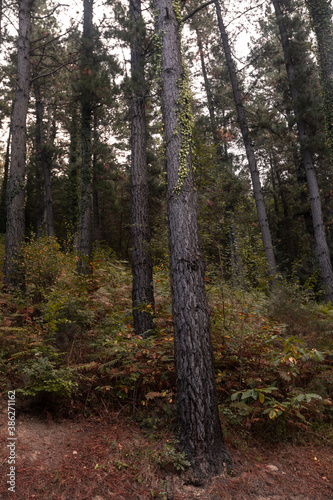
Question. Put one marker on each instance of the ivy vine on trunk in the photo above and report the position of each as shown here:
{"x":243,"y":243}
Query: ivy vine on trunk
{"x":200,"y":430}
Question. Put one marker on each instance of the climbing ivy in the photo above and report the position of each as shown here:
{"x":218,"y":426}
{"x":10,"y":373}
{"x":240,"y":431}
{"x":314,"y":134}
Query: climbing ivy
{"x":184,"y":110}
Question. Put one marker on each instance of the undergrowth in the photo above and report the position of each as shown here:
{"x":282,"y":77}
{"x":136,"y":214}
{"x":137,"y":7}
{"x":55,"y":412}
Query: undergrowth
{"x":69,"y":342}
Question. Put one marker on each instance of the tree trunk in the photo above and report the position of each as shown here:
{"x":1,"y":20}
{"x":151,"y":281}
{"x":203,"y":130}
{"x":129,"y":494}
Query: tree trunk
{"x":317,"y":216}
{"x":16,"y":183}
{"x":3,"y":202}
{"x":85,"y":229}
{"x":95,"y":191}
{"x":210,"y":104}
{"x":200,"y":431}
{"x":45,"y":160}
{"x":321,"y":13}
{"x":73,"y":173}
{"x":142,"y":265}
{"x":258,"y":196}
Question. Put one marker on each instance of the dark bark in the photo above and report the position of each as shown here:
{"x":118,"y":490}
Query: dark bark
{"x":258,"y":196}
{"x":95,"y":190}
{"x":3,"y":202}
{"x":45,"y":157}
{"x":210,"y":103}
{"x":200,"y":430}
{"x":73,"y":172}
{"x":16,"y":183}
{"x":87,"y":63}
{"x":323,"y":252}
{"x":142,"y":265}
{"x":39,"y":206}
{"x":321,"y":13}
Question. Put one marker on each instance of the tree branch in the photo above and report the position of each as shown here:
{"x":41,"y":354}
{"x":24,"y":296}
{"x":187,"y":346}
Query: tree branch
{"x":191,"y":14}
{"x":51,"y":72}
{"x":50,"y":13}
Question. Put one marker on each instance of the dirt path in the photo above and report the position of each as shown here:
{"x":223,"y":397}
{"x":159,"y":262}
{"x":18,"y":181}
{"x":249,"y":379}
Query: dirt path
{"x":106,"y":458}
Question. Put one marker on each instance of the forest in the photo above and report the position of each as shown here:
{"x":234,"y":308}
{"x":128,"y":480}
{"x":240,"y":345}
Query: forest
{"x":166,"y":241}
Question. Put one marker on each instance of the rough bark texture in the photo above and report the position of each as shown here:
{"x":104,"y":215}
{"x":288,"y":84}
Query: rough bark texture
{"x":95,"y":191}
{"x":142,"y":265}
{"x":323,"y":252}
{"x":85,"y":229}
{"x":73,"y":172}
{"x":3,"y":202}
{"x":321,"y":13}
{"x":16,"y":183}
{"x":200,"y":430}
{"x":258,"y":196}
{"x":45,"y":160}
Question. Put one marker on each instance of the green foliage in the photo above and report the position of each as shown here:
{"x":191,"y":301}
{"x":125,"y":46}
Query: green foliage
{"x":43,"y":264}
{"x":43,"y":375}
{"x":169,"y":457}
{"x":269,"y":379}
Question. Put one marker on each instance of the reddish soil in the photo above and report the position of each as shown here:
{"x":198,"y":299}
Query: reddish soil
{"x":106,"y":458}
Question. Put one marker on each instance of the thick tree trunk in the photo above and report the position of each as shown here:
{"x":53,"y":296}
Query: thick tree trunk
{"x":16,"y":183}
{"x":142,"y":265}
{"x":85,"y":229}
{"x":321,"y":13}
{"x":200,"y":430}
{"x":317,"y":216}
{"x":258,"y":196}
{"x":45,"y":160}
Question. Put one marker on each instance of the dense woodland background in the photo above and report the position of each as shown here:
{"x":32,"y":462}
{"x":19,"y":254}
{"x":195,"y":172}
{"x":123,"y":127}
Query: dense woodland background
{"x":88,"y":315}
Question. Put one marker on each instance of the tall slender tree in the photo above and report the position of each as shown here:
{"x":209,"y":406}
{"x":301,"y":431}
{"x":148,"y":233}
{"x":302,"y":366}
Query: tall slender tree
{"x":16,"y":183}
{"x":200,"y":429}
{"x":142,"y":265}
{"x":45,"y":158}
{"x":315,"y":200}
{"x":3,"y":199}
{"x":321,"y":13}
{"x":87,"y":70}
{"x":242,"y":120}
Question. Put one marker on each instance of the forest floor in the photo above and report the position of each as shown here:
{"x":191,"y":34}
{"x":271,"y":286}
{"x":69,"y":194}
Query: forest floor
{"x":108,"y":458}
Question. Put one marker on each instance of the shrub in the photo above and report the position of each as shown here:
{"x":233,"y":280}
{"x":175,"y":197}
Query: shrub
{"x":43,"y":262}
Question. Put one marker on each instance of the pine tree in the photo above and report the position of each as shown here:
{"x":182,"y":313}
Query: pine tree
{"x":321,"y":13}
{"x":242,"y":120}
{"x":87,"y":71}
{"x":200,"y":429}
{"x":16,"y":183}
{"x":142,"y":265}
{"x":316,"y":209}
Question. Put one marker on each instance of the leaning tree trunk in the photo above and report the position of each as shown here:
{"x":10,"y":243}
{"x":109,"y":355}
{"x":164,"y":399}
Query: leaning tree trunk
{"x":210,"y":103}
{"x":142,"y":265}
{"x":323,"y":252}
{"x":200,"y":431}
{"x":87,"y":63}
{"x":321,"y":13}
{"x":45,"y":160}
{"x":16,"y":183}
{"x":258,"y":196}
